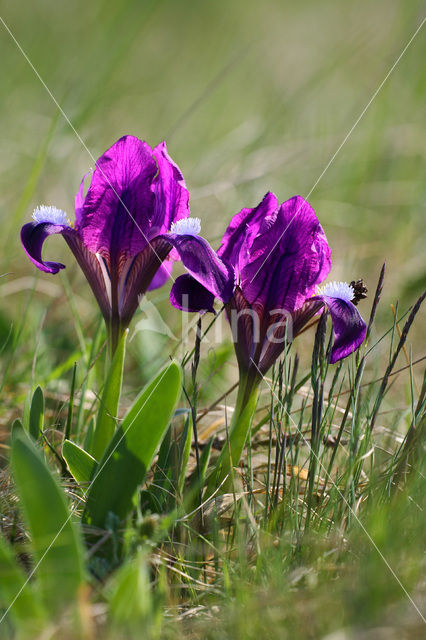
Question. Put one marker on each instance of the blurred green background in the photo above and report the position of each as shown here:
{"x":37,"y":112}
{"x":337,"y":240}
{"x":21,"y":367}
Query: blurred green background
{"x":250,"y":97}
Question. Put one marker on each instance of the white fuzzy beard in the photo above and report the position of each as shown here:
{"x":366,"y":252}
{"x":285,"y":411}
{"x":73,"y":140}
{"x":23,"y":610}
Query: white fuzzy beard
{"x":52,"y":215}
{"x":186,"y":227}
{"x":341,"y":290}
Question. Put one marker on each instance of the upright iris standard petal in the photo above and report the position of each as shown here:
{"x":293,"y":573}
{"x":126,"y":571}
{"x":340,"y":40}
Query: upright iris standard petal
{"x":279,"y":251}
{"x":244,"y":227}
{"x":114,"y":219}
{"x":288,"y":257}
{"x":171,"y":194}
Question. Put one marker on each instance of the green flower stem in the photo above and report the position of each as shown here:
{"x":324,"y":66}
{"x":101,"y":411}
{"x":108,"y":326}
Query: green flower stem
{"x":106,"y":422}
{"x":115,"y":332}
{"x":248,"y":392}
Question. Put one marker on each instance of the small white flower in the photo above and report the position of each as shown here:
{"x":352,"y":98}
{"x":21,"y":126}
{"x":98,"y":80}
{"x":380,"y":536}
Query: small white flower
{"x":50,"y":214}
{"x":341,"y":290}
{"x":186,"y":227}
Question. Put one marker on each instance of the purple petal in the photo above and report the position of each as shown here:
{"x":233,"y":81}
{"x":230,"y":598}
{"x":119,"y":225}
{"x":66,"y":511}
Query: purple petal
{"x":243,"y":229}
{"x":348,"y":326}
{"x":279,"y":334}
{"x":115,"y":217}
{"x":283,"y":328}
{"x":301,"y":317}
{"x":171,"y":194}
{"x":33,"y":235}
{"x":162,"y":275}
{"x":95,"y":269}
{"x":245,"y":327}
{"x":137,"y":275}
{"x":189,"y":295}
{"x":204,"y":264}
{"x":288,"y":257}
{"x":79,"y":199}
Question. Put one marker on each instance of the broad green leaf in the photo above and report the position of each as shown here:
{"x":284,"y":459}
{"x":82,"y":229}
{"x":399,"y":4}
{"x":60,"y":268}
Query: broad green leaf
{"x":18,"y":595}
{"x":36,"y":413}
{"x":129,"y":454}
{"x":107,"y":416}
{"x":58,"y":551}
{"x":80,"y":463}
{"x":130,"y":592}
{"x":17,"y":426}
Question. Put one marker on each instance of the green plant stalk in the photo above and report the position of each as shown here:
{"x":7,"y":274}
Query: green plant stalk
{"x":245,"y":407}
{"x":106,"y":422}
{"x":115,"y":332}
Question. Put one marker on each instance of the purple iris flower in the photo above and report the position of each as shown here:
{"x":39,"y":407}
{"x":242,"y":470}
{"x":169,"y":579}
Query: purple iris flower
{"x":129,"y":227}
{"x":280,"y":255}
